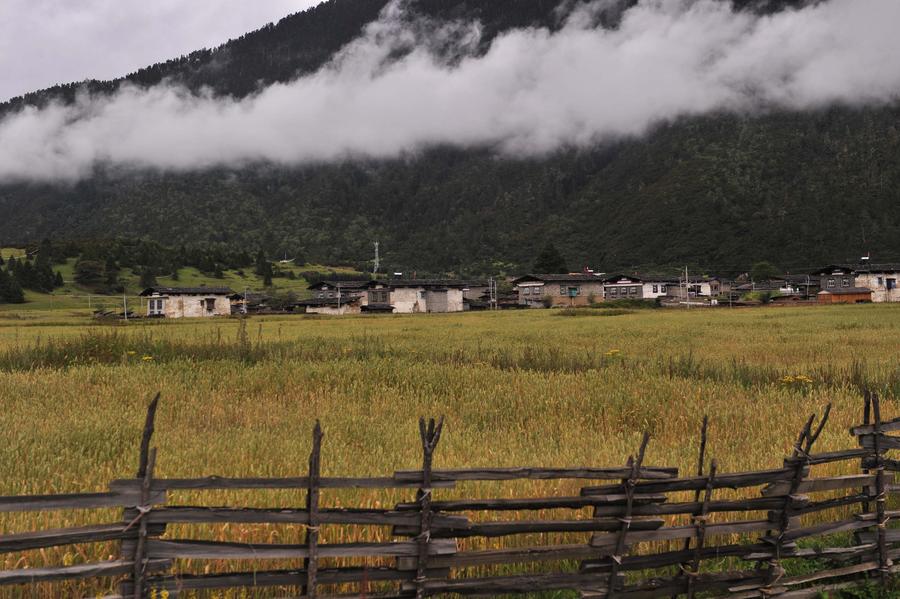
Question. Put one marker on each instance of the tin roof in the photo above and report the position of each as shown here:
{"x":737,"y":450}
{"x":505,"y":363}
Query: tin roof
{"x":187,"y":291}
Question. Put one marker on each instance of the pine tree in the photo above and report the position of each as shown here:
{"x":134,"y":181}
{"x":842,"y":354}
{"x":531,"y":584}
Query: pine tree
{"x":550,"y":261}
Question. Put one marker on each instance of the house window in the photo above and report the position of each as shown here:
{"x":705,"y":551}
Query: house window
{"x":562,"y":289}
{"x":662,"y":288}
{"x":891,"y":283}
{"x":656,"y":289}
{"x":378,"y":297}
{"x":209,"y":303}
{"x":613,"y":291}
{"x":830,"y":283}
{"x":573,"y":291}
{"x":633,"y":290}
{"x":880,"y":281}
{"x":155,"y":307}
{"x":845,"y":282}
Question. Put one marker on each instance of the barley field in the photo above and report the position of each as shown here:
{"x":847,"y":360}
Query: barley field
{"x":530,"y":388}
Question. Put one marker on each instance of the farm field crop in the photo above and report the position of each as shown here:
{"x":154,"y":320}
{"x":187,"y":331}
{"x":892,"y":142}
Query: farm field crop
{"x":537,"y":388}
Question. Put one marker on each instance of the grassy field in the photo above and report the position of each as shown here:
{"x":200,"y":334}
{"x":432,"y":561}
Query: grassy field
{"x":519,"y":388}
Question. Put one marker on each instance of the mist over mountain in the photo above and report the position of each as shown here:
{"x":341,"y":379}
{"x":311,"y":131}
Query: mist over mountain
{"x":465,"y":134}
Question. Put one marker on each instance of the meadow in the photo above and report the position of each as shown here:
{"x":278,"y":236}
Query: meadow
{"x":530,"y":388}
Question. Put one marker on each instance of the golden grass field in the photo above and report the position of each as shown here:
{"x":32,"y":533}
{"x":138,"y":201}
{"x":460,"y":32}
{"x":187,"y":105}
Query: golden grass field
{"x":531,"y":388}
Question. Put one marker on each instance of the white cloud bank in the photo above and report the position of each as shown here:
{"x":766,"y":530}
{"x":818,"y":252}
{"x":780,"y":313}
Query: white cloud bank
{"x":532,"y":92}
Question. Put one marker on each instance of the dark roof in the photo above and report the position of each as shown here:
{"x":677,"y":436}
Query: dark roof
{"x":327,"y":301}
{"x":846,"y":290}
{"x":339,"y":285}
{"x":553,"y":278}
{"x":187,"y":291}
{"x":876,"y":268}
{"x":616,"y":278}
{"x":378,"y":308}
{"x":831,"y":268}
{"x":445,"y":283}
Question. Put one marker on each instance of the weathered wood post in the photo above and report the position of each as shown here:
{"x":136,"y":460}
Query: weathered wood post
{"x":430,"y":436}
{"x":146,"y":466}
{"x":877,"y":459}
{"x":800,"y":461}
{"x":140,"y":550}
{"x":621,"y":542}
{"x":700,"y":520}
{"x":312,"y":508}
{"x":700,"y":466}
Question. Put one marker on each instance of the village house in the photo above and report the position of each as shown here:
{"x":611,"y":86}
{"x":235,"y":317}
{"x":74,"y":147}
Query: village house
{"x":187,"y":302}
{"x":541,"y":290}
{"x":619,"y":287}
{"x":397,"y":296}
{"x":880,"y":279}
{"x":333,"y":306}
{"x":408,"y":296}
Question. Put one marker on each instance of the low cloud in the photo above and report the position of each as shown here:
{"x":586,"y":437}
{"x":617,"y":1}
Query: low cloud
{"x":533,"y":91}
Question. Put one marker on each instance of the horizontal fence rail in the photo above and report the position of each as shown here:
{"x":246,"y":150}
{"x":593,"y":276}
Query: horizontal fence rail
{"x":649,"y":532}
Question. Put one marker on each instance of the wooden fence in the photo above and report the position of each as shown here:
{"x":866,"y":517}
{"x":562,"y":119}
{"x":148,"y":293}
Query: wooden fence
{"x":650,"y":533}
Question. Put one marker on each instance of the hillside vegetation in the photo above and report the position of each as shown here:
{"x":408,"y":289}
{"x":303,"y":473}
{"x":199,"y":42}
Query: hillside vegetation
{"x":721,"y":191}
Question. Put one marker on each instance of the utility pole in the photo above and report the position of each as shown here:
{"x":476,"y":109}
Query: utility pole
{"x":377,"y":260}
{"x":125,"y":304}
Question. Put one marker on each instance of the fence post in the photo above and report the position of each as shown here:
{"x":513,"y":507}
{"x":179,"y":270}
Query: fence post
{"x":140,"y":549}
{"x":700,"y":464}
{"x":312,"y":508}
{"x":700,"y":522}
{"x":146,"y":465}
{"x":800,"y":459}
{"x":629,"y":484}
{"x":884,"y":562}
{"x":430,"y":436}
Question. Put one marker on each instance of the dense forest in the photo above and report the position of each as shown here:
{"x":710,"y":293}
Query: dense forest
{"x":722,"y":191}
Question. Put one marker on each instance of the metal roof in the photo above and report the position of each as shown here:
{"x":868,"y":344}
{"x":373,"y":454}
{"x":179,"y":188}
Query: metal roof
{"x":187,"y":291}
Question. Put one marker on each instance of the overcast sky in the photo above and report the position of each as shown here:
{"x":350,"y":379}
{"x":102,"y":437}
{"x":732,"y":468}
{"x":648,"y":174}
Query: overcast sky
{"x":44,"y":42}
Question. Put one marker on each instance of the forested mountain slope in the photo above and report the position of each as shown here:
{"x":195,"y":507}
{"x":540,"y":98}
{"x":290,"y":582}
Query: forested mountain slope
{"x":719,"y":190}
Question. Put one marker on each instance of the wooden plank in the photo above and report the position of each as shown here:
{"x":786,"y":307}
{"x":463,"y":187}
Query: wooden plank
{"x":512,"y":555}
{"x":682,"y":532}
{"x":827,"y":457}
{"x":525,"y":583}
{"x":724,"y":481}
{"x":189,"y":549}
{"x":534,"y":503}
{"x":94,"y":570}
{"x":515,"y":527}
{"x":201,"y":514}
{"x":65,"y":536}
{"x":815,"y":485}
{"x":868,"y":429}
{"x":214,"y":483}
{"x":262,"y":579}
{"x":73,"y":501}
{"x":821,"y":529}
{"x":885,"y":442}
{"x":474,"y":474}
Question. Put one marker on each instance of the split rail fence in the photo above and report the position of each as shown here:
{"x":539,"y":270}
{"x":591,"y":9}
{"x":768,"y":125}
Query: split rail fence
{"x":647,"y":532}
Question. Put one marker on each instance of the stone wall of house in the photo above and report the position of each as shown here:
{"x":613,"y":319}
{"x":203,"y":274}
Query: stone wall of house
{"x":408,"y":300}
{"x":194,"y":306}
{"x":334,"y":310}
{"x":880,"y":292}
{"x":450,"y":300}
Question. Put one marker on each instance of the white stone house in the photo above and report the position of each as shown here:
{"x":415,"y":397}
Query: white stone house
{"x":882,"y":279}
{"x":187,"y":302}
{"x":410,"y":296}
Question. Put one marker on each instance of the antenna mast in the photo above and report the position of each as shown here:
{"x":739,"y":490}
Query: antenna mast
{"x":377,"y":260}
